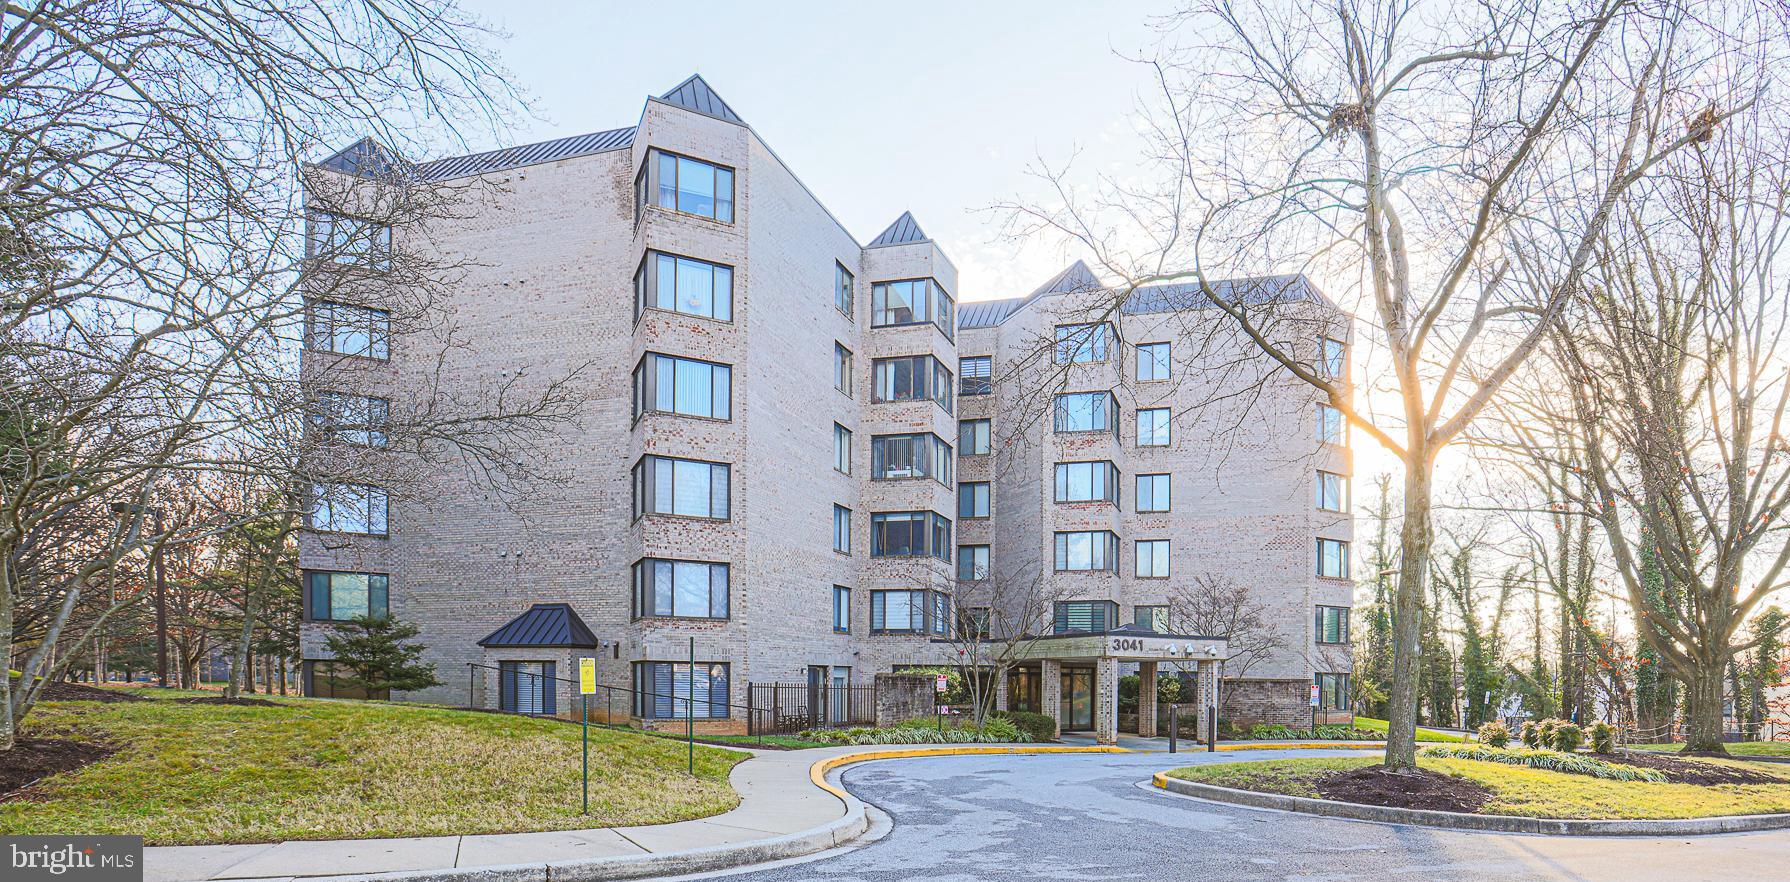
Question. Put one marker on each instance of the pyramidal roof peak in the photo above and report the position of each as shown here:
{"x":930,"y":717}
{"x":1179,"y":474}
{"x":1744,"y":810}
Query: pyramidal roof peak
{"x":1075,"y":277}
{"x":903,"y":231}
{"x":696,"y":94}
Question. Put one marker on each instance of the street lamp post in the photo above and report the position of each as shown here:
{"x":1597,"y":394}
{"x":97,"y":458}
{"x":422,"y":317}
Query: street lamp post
{"x":161,"y":588}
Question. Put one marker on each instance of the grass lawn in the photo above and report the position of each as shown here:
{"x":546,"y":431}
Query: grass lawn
{"x":1738,"y":748}
{"x":1520,"y":790}
{"x":1422,"y":734}
{"x":316,"y":769}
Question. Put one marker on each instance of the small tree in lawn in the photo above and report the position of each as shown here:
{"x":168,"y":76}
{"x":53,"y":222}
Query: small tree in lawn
{"x":377,"y":656}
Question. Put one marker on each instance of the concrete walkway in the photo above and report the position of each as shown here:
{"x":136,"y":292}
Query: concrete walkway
{"x":786,"y":809}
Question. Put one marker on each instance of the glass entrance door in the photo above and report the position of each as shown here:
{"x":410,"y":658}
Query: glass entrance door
{"x":1077,"y":703}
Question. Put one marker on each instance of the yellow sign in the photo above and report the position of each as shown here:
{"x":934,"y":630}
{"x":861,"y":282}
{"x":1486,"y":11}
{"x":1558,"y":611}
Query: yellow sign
{"x":587,"y":676}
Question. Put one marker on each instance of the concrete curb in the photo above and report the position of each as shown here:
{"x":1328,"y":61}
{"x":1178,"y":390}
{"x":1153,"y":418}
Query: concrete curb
{"x":1475,"y":823}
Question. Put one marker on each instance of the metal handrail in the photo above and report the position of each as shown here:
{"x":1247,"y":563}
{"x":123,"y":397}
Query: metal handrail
{"x":604,"y":686}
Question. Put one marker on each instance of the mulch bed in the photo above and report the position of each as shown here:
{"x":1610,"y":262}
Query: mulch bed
{"x":59,"y":691}
{"x":219,"y":699}
{"x":33,"y":759}
{"x":1679,"y":771}
{"x":1374,"y":785}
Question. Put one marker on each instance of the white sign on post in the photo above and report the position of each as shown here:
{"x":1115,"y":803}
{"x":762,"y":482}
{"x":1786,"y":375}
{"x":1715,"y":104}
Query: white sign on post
{"x":1314,"y":695}
{"x":943,"y":684}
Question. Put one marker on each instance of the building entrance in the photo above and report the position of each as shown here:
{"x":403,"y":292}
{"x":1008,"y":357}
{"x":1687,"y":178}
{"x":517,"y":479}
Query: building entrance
{"x":1077,"y":700}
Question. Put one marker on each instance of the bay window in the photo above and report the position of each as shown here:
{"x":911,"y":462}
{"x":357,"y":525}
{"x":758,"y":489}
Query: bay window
{"x":682,"y":589}
{"x":1087,"y":551}
{"x":693,"y":488}
{"x":676,"y":690}
{"x":1087,"y":412}
{"x":683,"y":285}
{"x":910,"y":534}
{"x":911,"y":378}
{"x":912,"y":302}
{"x":1087,"y":482}
{"x":686,"y":386}
{"x":919,"y":455}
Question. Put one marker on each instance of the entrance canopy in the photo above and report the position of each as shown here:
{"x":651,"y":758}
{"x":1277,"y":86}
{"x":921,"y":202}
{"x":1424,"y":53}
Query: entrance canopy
{"x":1127,"y":643}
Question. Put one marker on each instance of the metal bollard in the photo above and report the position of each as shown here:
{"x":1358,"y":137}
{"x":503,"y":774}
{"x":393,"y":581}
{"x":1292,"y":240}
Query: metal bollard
{"x":1174,"y":726}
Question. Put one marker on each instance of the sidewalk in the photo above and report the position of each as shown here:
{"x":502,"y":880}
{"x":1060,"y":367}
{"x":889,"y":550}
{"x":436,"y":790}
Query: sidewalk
{"x":786,"y":810}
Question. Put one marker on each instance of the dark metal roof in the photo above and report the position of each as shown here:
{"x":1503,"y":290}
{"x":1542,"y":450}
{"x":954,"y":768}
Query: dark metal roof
{"x":695,"y":94}
{"x":1149,"y":298}
{"x":544,"y":625}
{"x":364,"y":157}
{"x":988,"y":313}
{"x":901,"y":232}
{"x":527,"y":154}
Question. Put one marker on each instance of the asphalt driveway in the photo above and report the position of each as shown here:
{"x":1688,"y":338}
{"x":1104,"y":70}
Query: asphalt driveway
{"x":1082,"y":817}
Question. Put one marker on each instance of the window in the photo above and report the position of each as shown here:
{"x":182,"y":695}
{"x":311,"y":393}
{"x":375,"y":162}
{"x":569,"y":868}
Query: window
{"x":349,"y":508}
{"x":912,"y":302}
{"x":1152,"y":427}
{"x":1152,"y":361}
{"x":1093,"y":616}
{"x":1152,"y":494}
{"x":899,"y":457}
{"x":972,"y":499}
{"x":911,"y":378}
{"x":686,"y":487}
{"x":910,"y":534}
{"x":976,"y":375}
{"x":974,"y":437}
{"x":841,"y":609}
{"x":683,"y":284}
{"x":1087,"y":482}
{"x":669,"y":384}
{"x":1333,"y":559}
{"x":1087,"y":412}
{"x":842,"y":529}
{"x":1333,"y":691}
{"x":972,"y":562}
{"x":1153,"y":617}
{"x":972,"y":622}
{"x":690,"y":186}
{"x":526,"y":687}
{"x":338,"y":597}
{"x":1331,"y":355}
{"x":1089,"y":550}
{"x":345,"y":329}
{"x":909,"y":611}
{"x":682,"y":589}
{"x":1152,"y":558}
{"x":841,"y":449}
{"x":341,"y":239}
{"x":673,"y":691}
{"x":842,"y":369}
{"x":842,"y":289}
{"x":353,"y":419}
{"x":1332,"y":624}
{"x":1080,"y":344}
{"x":1333,"y":491}
{"x":1331,"y":428}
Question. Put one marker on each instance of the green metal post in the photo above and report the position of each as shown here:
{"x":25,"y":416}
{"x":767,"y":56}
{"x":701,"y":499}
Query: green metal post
{"x":690,"y":711}
{"x":586,"y":716}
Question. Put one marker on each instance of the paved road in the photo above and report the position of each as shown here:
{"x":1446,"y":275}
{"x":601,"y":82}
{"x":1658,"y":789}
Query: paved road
{"x":1080,"y":817}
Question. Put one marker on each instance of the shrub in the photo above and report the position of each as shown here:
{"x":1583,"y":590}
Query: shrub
{"x":1495,"y":734}
{"x":1568,"y":737}
{"x":1602,"y":737}
{"x":1544,"y":737}
{"x":919,"y":731}
{"x":1531,"y":734}
{"x":996,"y":729}
{"x":1031,"y":726}
{"x":1568,"y":763}
{"x":1274,"y":732}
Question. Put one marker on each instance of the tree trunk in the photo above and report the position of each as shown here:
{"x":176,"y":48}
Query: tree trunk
{"x":1703,"y":726}
{"x":244,"y":667}
{"x":1415,"y":539}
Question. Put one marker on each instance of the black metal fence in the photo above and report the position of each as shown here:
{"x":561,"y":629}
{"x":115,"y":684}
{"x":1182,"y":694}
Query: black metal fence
{"x":787,"y":708}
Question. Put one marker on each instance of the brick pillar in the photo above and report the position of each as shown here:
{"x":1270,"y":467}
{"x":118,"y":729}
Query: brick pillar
{"x":1106,"y":701}
{"x":1207,"y":696}
{"x":1050,"y":699}
{"x":1146,"y":699}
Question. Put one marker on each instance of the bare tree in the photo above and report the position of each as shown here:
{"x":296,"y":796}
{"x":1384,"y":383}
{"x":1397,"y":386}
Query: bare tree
{"x":1216,"y":605}
{"x":1460,"y":161}
{"x":1000,"y":614}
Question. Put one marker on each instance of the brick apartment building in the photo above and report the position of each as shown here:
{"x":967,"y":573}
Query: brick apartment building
{"x":794,"y":444}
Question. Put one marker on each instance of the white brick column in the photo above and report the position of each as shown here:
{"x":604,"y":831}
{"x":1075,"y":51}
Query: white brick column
{"x":1146,"y":699}
{"x":1106,"y":701}
{"x":1050,"y":699}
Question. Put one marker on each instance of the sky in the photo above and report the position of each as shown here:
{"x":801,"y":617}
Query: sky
{"x":934,"y":108}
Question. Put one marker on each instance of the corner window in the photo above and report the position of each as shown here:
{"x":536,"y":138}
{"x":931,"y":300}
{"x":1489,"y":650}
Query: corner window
{"x":1152,"y":494}
{"x":973,"y":622}
{"x":682,"y":589}
{"x":1152,"y":361}
{"x":351,"y":419}
{"x":349,"y":508}
{"x":973,"y":500}
{"x":1087,"y":551}
{"x":842,"y":529}
{"x":900,"y":457}
{"x":972,"y":562}
{"x":674,"y":691}
{"x":689,"y":186}
{"x":1333,"y":691}
{"x":1152,"y":558}
{"x":683,"y":285}
{"x":1086,"y":412}
{"x":1153,"y":617}
{"x":1331,"y":358}
{"x":350,"y":241}
{"x":1331,"y":427}
{"x":686,"y":386}
{"x":842,"y":289}
{"x":1082,"y":344}
{"x":912,"y":302}
{"x":911,"y":378}
{"x":1333,"y":559}
{"x":1153,"y":427}
{"x":909,"y":611}
{"x":842,"y":369}
{"x":1092,"y":616}
{"x":841,"y":609}
{"x":346,"y":329}
{"x":338,"y":597}
{"x":1087,"y":482}
{"x":974,"y":437}
{"x":1333,"y":492}
{"x":976,"y":375}
{"x":1332,"y":624}
{"x":690,"y":488}
{"x":910,"y":534}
